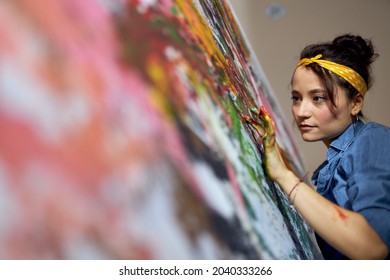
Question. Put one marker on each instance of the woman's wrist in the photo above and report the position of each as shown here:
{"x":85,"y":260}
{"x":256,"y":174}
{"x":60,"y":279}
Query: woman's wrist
{"x":287,"y":181}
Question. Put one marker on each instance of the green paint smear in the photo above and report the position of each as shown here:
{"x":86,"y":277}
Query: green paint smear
{"x":175,"y":10}
{"x":231,"y":109}
{"x":168,"y":29}
{"x":248,"y":157}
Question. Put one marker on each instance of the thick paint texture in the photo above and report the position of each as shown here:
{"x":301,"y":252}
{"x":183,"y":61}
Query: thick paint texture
{"x":122,"y":135}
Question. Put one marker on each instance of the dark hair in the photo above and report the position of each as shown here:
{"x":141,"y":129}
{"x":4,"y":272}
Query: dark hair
{"x":349,"y":50}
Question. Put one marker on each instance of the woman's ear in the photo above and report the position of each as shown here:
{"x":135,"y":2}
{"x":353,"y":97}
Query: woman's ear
{"x":357,"y":104}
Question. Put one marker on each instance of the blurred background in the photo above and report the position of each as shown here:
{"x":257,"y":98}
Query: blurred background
{"x":278,"y":30}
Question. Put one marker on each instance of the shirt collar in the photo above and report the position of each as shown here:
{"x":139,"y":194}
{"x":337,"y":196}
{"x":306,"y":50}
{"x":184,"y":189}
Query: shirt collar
{"x":344,"y":140}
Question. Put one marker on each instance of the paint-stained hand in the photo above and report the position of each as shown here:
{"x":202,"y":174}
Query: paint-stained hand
{"x":274,"y":164}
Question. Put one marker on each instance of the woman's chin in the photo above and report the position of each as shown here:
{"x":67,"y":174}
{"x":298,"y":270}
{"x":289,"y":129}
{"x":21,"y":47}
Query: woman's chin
{"x":307,"y":138}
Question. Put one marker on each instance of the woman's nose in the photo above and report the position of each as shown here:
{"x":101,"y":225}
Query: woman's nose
{"x":303,"y":110}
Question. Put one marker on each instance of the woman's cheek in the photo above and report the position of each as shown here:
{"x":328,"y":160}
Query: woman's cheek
{"x":324,"y":115}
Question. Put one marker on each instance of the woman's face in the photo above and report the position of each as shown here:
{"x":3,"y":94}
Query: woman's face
{"x":311,"y":108}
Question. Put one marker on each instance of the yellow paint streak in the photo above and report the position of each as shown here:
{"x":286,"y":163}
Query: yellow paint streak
{"x":158,"y":76}
{"x":201,"y":29}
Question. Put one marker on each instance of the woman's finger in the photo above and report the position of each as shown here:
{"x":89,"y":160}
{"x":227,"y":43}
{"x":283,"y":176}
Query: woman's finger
{"x":269,"y":127}
{"x":256,"y":125}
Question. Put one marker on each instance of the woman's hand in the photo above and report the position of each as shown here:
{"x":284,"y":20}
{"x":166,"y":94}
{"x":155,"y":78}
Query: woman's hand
{"x":275,"y":165}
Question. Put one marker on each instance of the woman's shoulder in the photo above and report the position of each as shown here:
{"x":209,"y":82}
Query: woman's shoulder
{"x":375,"y":129}
{"x":373,"y":134}
{"x":369,"y":151}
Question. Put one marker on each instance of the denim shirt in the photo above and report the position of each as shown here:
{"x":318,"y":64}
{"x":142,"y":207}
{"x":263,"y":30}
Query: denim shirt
{"x":356,"y":176}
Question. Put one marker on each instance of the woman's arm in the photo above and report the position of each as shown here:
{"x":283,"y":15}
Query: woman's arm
{"x":345,"y":230}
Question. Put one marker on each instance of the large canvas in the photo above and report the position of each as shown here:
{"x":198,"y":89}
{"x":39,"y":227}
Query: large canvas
{"x":122,"y":135}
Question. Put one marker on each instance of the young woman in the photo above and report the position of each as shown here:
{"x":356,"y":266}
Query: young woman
{"x":350,"y":208}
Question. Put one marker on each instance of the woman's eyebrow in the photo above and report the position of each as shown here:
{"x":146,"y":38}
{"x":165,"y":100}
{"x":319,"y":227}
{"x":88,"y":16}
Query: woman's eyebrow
{"x":312,"y":91}
{"x":317,"y":90}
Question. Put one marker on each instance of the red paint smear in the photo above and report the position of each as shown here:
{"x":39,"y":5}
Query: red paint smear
{"x":341,"y":214}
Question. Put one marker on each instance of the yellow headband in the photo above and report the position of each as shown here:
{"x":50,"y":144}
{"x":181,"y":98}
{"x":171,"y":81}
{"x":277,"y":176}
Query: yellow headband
{"x":350,"y":75}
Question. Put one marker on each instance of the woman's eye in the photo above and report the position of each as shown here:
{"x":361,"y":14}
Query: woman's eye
{"x":319,"y":98}
{"x":294,"y":98}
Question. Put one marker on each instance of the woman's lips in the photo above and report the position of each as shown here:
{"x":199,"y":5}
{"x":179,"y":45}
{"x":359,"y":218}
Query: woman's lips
{"x":306,"y":127}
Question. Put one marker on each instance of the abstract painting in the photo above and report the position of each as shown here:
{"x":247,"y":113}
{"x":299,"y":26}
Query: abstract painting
{"x":122,"y":135}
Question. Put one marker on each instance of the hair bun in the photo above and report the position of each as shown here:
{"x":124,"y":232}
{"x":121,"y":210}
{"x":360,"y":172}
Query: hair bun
{"x":356,"y":46}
